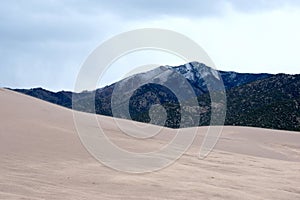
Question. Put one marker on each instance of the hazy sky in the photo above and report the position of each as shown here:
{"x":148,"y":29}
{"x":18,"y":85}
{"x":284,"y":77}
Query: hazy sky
{"x":44,"y":43}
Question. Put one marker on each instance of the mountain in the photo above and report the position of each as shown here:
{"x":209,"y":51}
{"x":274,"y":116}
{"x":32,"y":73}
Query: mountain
{"x":258,"y":100}
{"x":194,"y":72}
{"x":63,"y":98}
{"x":269,"y":103}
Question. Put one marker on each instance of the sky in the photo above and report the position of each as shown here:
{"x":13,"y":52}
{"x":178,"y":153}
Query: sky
{"x":45,"y":43}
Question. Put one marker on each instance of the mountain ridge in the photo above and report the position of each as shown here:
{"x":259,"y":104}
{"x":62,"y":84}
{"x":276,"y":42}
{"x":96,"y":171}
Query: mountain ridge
{"x":252,"y":99}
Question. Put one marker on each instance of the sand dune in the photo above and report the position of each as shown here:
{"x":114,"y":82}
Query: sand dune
{"x":41,"y":157}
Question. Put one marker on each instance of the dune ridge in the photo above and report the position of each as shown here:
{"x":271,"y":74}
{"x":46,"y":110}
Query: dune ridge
{"x":41,"y":157}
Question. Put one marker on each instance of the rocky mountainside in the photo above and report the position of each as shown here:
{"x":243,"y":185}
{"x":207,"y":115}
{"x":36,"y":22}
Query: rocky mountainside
{"x":269,"y":103}
{"x":259,"y":100}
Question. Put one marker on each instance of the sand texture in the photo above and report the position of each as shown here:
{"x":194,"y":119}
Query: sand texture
{"x":41,"y":157}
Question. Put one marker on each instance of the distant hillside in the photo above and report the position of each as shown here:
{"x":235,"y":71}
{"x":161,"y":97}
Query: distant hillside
{"x":269,"y":103}
{"x":258,"y":100}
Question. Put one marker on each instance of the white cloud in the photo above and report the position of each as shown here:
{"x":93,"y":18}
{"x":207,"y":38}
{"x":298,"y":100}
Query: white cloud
{"x":257,"y":42}
{"x":43,"y":43}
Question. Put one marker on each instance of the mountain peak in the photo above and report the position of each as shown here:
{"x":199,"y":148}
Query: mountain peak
{"x":252,"y":99}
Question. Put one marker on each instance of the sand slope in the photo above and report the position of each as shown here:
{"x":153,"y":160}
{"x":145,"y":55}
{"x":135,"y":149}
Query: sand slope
{"x":41,"y":157}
